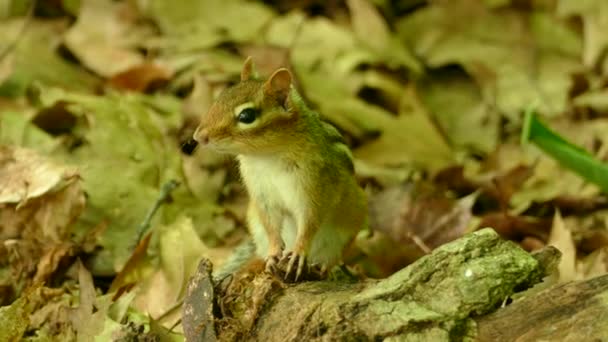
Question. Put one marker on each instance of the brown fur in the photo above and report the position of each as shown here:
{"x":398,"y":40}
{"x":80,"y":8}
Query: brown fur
{"x":327,"y":206}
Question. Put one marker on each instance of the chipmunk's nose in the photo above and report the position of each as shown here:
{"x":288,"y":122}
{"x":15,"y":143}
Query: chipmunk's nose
{"x":201,"y":135}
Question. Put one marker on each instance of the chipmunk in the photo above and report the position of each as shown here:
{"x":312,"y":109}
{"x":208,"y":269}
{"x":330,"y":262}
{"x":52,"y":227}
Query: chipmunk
{"x":305,"y":204}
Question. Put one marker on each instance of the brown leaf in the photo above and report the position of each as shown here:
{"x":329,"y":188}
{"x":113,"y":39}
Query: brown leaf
{"x":453,"y":178}
{"x":418,"y":218}
{"x":52,"y":312}
{"x":127,"y":275}
{"x":531,"y":243}
{"x":88,"y":318}
{"x":594,"y":264}
{"x":505,"y":185}
{"x":104,"y":37}
{"x":266,"y":58}
{"x":418,"y":213}
{"x":25,"y":175}
{"x":39,"y":202}
{"x":499,"y":187}
{"x":54,"y":257}
{"x":386,"y":255}
{"x":569,"y":205}
{"x":594,"y":240}
{"x":516,"y":227}
{"x":145,"y":77}
{"x":45,"y":219}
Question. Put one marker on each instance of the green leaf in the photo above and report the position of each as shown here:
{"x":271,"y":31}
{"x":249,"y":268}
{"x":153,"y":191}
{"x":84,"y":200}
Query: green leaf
{"x":35,"y":58}
{"x":195,"y":25}
{"x":16,"y":129}
{"x":516,"y":57}
{"x":567,"y":154}
{"x":457,"y":105}
{"x":126,"y":157}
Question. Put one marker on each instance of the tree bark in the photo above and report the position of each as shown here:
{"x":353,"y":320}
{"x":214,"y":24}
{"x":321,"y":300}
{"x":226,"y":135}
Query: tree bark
{"x":575,"y":311}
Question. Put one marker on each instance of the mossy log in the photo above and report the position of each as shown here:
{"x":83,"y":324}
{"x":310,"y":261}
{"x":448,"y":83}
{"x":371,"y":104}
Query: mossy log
{"x":457,"y":293}
{"x":434,"y":299}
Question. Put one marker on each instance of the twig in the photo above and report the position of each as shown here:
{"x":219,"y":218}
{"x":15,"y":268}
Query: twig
{"x":179,"y":321}
{"x":11,"y":46}
{"x":165,"y":191}
{"x":172,"y":309}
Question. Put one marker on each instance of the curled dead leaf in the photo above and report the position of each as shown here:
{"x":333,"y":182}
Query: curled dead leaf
{"x":54,"y":257}
{"x":25,"y":175}
{"x":39,"y":202}
{"x":418,"y":219}
{"x":145,"y":77}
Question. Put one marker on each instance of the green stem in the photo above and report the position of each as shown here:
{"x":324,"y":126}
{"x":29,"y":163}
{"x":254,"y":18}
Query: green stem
{"x":567,"y":154}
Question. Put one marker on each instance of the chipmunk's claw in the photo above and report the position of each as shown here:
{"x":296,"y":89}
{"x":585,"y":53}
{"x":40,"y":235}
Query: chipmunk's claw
{"x":272,"y":262}
{"x":294,"y":260}
{"x":323,"y":271}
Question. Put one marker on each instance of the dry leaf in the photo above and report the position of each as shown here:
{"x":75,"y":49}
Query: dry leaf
{"x":417,"y":219}
{"x":145,"y":77}
{"x":516,"y":227}
{"x":25,"y":175}
{"x":561,"y":238}
{"x":54,"y":257}
{"x":408,"y":139}
{"x":133,"y":269}
{"x":180,"y":249}
{"x":104,"y":37}
{"x":89,"y":317}
{"x":594,"y":265}
{"x":367,"y":22}
{"x":594,"y":15}
{"x":39,"y":202}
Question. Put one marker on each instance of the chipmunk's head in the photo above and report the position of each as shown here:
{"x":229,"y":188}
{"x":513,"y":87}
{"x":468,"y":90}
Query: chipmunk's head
{"x":253,"y":116}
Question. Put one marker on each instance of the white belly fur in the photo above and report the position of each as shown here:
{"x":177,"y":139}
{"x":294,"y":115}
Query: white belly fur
{"x":281,"y":191}
{"x":278,"y":189}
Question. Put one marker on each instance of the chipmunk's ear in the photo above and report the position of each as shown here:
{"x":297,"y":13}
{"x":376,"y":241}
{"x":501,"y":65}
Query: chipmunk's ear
{"x":278,"y":85}
{"x":247,"y":73}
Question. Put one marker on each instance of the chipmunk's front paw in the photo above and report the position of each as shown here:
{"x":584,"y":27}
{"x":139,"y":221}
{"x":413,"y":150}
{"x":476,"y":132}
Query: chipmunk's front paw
{"x":272,"y":263}
{"x":295,"y":265}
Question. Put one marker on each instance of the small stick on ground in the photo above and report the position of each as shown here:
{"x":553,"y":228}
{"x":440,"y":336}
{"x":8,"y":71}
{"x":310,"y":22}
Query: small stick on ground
{"x":165,"y":191}
{"x":12,"y":45}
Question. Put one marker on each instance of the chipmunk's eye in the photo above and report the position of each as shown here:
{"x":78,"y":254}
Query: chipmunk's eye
{"x":247,"y":115}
